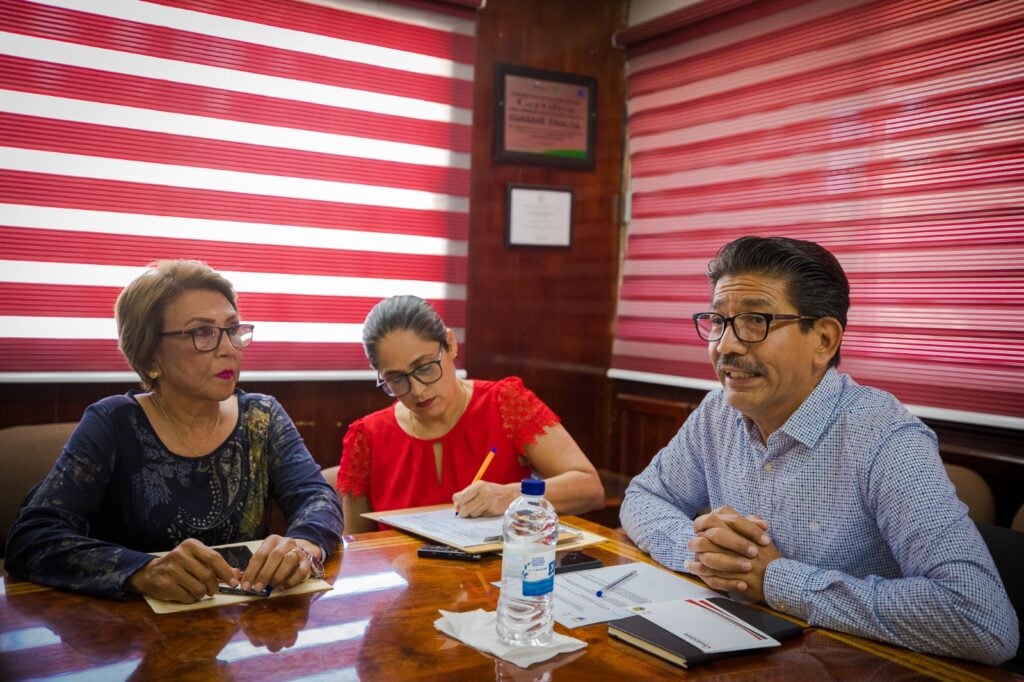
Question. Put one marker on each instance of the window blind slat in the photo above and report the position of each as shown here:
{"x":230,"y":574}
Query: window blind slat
{"x":890,"y":132}
{"x":315,"y":154}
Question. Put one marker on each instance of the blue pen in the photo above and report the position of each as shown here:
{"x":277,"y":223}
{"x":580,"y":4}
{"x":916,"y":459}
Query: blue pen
{"x":618,"y":581}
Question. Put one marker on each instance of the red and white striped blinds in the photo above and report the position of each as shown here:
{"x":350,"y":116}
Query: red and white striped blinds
{"x":317,"y":154}
{"x":891,"y":132}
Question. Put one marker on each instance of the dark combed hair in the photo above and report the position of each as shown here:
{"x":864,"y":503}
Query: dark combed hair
{"x":398,"y":313}
{"x":815,"y":282}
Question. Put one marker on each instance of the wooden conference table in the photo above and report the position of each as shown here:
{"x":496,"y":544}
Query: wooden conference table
{"x":377,"y":624}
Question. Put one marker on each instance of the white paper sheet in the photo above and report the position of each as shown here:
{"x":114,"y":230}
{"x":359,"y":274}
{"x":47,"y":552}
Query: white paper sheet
{"x":470,"y":534}
{"x":455,"y":530}
{"x":577,"y":604}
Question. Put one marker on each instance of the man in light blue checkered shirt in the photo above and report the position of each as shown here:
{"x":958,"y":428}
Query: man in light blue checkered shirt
{"x":829,"y":500}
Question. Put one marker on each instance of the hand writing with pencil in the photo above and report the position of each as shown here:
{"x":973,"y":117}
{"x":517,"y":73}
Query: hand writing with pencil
{"x":485,"y":499}
{"x":481,"y":498}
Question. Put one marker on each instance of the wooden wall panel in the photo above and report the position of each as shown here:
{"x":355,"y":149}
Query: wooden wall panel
{"x":321,"y":410}
{"x":644,"y":426}
{"x":546,"y":314}
{"x":644,"y":416}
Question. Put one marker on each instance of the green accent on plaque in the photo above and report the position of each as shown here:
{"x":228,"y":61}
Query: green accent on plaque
{"x":566,"y":153}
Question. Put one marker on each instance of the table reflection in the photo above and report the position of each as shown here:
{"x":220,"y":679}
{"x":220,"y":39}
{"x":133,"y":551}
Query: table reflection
{"x":376,"y":623}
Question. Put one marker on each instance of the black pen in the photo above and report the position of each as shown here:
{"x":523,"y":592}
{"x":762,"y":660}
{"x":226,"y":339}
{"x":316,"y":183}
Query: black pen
{"x":265,"y":592}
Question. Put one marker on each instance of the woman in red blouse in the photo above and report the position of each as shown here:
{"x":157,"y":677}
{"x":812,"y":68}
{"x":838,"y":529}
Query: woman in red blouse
{"x":427,"y":447}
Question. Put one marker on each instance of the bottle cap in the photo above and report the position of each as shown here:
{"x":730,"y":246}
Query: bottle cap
{"x":532,"y":486}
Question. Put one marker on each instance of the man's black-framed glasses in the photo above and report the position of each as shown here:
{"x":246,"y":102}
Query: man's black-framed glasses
{"x":748,"y":327}
{"x":207,"y":337}
{"x":398,"y":385}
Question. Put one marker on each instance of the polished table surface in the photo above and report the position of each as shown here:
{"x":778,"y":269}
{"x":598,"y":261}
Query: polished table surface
{"x":377,"y":624}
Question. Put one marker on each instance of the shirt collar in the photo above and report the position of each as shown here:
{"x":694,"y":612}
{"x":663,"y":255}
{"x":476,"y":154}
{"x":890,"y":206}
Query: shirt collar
{"x":810,"y":420}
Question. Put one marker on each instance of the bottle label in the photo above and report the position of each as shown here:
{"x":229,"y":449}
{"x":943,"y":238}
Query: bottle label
{"x":534,"y":565}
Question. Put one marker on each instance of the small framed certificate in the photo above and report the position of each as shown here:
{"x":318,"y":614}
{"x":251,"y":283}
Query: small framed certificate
{"x":539,"y":216}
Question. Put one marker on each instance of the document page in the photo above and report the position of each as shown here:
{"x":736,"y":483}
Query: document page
{"x":577,"y":604}
{"x":481,"y":534}
{"x":444,"y":526}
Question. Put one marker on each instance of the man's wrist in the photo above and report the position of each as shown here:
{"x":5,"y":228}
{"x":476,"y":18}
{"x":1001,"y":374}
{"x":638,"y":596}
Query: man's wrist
{"x":784,"y":584}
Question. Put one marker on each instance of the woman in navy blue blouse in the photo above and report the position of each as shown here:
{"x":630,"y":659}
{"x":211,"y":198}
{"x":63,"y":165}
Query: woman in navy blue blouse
{"x":188,"y":462}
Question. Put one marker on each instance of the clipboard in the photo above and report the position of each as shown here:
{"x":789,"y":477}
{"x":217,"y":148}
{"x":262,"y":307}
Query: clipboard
{"x":434,"y":522}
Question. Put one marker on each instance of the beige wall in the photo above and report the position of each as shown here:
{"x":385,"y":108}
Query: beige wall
{"x":645,"y":10}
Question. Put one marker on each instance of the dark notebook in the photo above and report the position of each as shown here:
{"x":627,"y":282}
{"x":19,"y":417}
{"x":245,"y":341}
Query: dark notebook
{"x":639,"y":631}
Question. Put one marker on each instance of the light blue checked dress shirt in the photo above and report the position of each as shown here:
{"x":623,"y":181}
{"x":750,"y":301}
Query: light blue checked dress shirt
{"x":875,"y":541}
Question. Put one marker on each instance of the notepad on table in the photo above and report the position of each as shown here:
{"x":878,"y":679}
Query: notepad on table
{"x":688,"y":632}
{"x":473,"y":535}
{"x":219,"y":599}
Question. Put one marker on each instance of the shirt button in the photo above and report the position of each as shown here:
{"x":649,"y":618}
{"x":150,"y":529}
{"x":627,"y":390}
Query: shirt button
{"x":814,"y":526}
{"x":768,"y":467}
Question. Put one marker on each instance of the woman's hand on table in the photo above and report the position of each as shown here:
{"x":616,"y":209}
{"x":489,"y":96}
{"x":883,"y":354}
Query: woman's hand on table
{"x":280,"y":562}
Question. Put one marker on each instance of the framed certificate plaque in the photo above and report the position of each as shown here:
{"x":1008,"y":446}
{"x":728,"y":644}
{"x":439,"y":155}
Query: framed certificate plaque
{"x":544,"y":117}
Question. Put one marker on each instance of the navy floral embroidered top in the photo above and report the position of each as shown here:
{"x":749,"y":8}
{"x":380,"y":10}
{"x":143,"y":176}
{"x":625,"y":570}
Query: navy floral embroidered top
{"x":116,"y":493}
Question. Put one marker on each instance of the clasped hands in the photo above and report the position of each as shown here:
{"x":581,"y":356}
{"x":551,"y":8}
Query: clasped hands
{"x":732,"y":551}
{"x":191,"y":571}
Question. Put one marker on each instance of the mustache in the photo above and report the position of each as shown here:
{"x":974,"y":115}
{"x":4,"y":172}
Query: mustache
{"x":735,"y":362}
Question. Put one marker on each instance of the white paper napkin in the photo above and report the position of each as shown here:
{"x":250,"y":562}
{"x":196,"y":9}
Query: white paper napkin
{"x":476,"y":628}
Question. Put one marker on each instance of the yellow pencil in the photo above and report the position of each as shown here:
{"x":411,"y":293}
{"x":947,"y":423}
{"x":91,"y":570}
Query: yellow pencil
{"x":480,"y":473}
{"x":483,"y":467}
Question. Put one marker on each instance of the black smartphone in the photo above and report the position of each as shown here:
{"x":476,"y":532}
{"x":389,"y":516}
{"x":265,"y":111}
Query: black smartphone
{"x":446,"y":552}
{"x":575,"y":561}
{"x":237,"y":556}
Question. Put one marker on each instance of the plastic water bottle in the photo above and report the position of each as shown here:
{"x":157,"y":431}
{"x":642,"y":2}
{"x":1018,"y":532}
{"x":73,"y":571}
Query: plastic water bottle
{"x":530,"y":531}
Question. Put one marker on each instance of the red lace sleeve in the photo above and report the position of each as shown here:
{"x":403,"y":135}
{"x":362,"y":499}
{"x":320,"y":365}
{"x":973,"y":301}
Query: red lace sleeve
{"x":354,"y":470}
{"x":523,"y":415}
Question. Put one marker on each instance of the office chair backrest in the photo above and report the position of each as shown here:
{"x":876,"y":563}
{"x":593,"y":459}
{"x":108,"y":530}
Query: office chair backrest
{"x":975,"y":493}
{"x":26,"y":455}
{"x":331,"y":476}
{"x":1007,"y":549}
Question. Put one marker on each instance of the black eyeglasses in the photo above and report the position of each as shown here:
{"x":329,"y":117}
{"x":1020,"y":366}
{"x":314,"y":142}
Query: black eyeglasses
{"x":207,"y":337}
{"x":398,"y":385}
{"x":748,"y":327}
